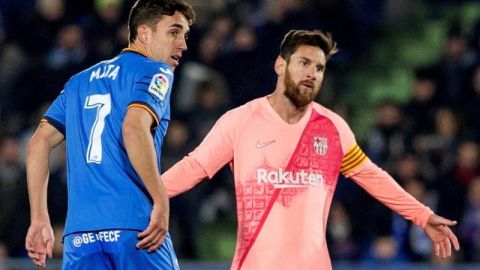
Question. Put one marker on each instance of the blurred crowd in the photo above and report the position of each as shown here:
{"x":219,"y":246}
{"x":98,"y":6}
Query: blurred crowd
{"x":430,"y":144}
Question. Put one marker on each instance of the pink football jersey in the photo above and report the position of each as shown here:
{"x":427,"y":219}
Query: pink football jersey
{"x":285,"y":176}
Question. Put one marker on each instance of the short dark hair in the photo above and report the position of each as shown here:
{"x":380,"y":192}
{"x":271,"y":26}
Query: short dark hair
{"x":150,"y":12}
{"x":295,"y":38}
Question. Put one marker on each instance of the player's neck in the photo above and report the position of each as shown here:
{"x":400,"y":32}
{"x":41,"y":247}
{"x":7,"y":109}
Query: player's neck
{"x":285,"y":108}
{"x":140,"y":48}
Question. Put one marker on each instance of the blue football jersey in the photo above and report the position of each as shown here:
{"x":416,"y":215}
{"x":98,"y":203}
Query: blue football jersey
{"x":104,"y":191}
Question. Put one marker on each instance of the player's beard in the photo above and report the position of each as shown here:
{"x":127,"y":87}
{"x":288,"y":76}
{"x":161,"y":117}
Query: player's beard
{"x":298,"y":97}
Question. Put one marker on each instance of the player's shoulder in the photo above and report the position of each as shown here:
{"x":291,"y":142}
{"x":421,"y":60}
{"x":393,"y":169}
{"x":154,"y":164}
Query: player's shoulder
{"x":322,"y":110}
{"x":241,"y":114}
{"x":139,"y":63}
{"x":331,"y":115}
{"x":245,"y":110}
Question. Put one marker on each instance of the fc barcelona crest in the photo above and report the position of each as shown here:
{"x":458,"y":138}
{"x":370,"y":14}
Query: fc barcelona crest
{"x":320,"y":145}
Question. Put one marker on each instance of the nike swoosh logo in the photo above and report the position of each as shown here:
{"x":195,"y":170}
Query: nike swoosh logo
{"x":261,"y":145}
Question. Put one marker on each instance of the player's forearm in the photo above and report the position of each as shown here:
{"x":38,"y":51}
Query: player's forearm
{"x":384,"y":188}
{"x":140,"y":149}
{"x":38,"y":153}
{"x":183,"y":176}
{"x":46,"y":138}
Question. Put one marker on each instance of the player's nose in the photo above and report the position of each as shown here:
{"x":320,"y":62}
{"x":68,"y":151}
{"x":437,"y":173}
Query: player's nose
{"x":311,"y":72}
{"x":183,"y":44}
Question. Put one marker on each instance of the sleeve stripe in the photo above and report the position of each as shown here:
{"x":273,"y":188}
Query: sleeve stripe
{"x":352,"y":156}
{"x":352,"y":150}
{"x":352,"y":159}
{"x":346,"y":164}
{"x":54,"y":123}
{"x":148,"y":109}
{"x":347,"y":170}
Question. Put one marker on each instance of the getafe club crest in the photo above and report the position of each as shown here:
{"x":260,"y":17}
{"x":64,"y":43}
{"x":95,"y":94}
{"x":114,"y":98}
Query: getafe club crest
{"x":320,"y":145}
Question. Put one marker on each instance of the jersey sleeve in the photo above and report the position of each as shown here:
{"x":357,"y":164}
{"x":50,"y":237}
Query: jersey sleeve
{"x":378,"y":183}
{"x":353,"y":157}
{"x":211,"y":155}
{"x":152,"y":88}
{"x":182,"y":176}
{"x":56,"y":113}
{"x":384,"y":188}
{"x":216,"y":149}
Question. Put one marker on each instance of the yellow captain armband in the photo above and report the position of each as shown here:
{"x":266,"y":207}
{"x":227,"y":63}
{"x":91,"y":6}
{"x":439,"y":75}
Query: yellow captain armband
{"x":354,"y":158}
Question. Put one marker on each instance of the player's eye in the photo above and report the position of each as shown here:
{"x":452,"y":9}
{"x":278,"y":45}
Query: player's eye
{"x":174,"y":33}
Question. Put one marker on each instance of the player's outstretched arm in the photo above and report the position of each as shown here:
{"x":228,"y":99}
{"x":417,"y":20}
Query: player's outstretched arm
{"x":39,"y":239}
{"x":141,"y":152}
{"x":438,"y":230}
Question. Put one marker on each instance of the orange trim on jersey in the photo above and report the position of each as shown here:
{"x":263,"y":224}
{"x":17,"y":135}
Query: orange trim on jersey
{"x":44,"y":120}
{"x":147,"y":109}
{"x":352,"y":159}
{"x":133,"y":50}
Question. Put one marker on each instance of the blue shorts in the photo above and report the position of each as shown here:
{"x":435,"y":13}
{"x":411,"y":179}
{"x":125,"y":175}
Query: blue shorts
{"x":114,"y":249}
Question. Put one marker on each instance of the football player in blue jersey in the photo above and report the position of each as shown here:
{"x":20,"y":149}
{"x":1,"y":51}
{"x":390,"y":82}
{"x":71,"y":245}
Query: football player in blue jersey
{"x":113,"y":117}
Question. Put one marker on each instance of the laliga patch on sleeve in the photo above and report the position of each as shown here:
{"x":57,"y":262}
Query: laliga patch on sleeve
{"x":159,"y":85}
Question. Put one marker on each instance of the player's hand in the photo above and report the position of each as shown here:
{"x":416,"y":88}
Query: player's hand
{"x":39,"y":242}
{"x":441,"y":235}
{"x":154,"y":235}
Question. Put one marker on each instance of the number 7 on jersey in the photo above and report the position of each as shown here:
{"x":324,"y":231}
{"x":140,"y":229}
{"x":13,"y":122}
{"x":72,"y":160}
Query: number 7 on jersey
{"x":103,"y":105}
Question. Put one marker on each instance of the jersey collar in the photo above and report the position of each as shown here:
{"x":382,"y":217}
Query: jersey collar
{"x":134,"y":51}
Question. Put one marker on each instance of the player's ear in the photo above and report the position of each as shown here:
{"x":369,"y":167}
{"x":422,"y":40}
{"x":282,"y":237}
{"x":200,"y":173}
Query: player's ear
{"x":280,"y":65}
{"x":143,"y":33}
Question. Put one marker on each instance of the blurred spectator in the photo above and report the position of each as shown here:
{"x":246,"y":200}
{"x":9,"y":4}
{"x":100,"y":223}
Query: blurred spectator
{"x":196,"y":71}
{"x":239,"y":67}
{"x":386,"y":144}
{"x":205,"y":9}
{"x":470,"y":224}
{"x":12,"y":63}
{"x":339,"y":234}
{"x":472,"y":108}
{"x":209,"y":107}
{"x":475,"y":42}
{"x":65,"y":58}
{"x":348,"y":20}
{"x":36,"y":31}
{"x":420,"y":110}
{"x":387,"y":140}
{"x":178,"y":143}
{"x":3,"y":252}
{"x":413,"y":241}
{"x":384,"y":249}
{"x":410,"y":166}
{"x":277,"y":17}
{"x":452,"y":69}
{"x":2,"y":29}
{"x":438,"y":148}
{"x":453,"y":184}
{"x":184,"y":209}
{"x":104,"y":30}
{"x":222,"y":28}
{"x":13,"y":197}
{"x":69,"y":51}
{"x":57,"y":189}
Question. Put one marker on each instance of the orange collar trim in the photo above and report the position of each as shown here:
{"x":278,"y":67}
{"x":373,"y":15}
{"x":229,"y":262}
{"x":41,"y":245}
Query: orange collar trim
{"x":133,"y":50}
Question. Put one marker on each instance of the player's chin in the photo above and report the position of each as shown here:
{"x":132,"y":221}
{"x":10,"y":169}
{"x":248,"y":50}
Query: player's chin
{"x":174,"y":63}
